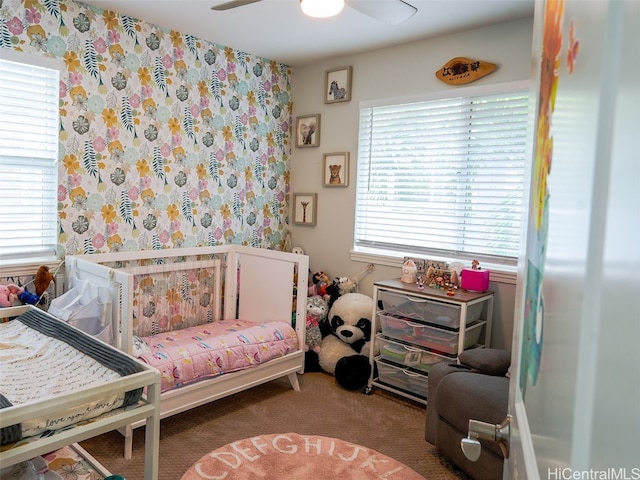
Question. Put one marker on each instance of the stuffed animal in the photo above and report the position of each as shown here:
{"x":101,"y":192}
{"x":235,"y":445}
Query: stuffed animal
{"x":317,"y":310}
{"x":345,"y":351}
{"x":5,"y":301}
{"x":10,"y":295}
{"x":29,"y":298}
{"x":42,"y":280}
{"x":342,"y":285}
{"x":345,"y":285}
{"x":320,"y":281}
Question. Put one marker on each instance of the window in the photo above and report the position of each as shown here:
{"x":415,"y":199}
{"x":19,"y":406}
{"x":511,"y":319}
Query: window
{"x":29,"y":124}
{"x":443,"y":177}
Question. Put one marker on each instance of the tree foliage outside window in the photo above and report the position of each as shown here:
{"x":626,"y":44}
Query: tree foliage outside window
{"x":443,"y":177}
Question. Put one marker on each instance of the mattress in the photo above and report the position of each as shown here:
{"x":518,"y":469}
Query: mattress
{"x":42,"y":357}
{"x":184,"y":356}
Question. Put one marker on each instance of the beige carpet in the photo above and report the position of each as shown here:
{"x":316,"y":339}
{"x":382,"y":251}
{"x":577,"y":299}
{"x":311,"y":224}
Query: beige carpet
{"x":381,"y":421}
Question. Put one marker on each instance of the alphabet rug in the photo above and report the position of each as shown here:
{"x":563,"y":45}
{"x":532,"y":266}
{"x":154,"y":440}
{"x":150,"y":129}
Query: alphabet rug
{"x":294,"y":456}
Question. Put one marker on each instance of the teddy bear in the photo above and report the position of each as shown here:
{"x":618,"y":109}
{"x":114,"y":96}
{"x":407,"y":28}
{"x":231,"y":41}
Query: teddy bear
{"x":345,"y":350}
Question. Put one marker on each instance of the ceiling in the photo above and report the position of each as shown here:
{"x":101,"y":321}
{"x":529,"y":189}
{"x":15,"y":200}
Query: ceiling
{"x":278,"y":30}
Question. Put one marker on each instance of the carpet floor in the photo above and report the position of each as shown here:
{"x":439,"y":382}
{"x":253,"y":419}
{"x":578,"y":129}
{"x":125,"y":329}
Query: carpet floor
{"x":382,"y":421}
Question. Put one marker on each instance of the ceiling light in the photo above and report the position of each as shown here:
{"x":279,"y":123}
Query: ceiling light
{"x":321,"y":8}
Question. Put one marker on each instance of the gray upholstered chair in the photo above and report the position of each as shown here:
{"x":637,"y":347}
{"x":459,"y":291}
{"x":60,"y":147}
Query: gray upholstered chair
{"x":476,"y":389}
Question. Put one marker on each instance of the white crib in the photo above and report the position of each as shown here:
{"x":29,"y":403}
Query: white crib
{"x":253,"y":284}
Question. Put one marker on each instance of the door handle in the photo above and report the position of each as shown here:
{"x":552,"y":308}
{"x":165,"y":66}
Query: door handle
{"x":499,"y":433}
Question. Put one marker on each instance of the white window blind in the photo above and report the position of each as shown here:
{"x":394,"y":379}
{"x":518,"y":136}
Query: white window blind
{"x":443,"y":178}
{"x":29,"y":124}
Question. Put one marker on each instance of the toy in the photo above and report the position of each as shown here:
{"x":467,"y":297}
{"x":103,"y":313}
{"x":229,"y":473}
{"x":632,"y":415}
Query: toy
{"x":340,"y":286}
{"x":317,"y":310}
{"x":5,"y":300}
{"x":345,"y":285}
{"x":409,"y":272}
{"x":9,"y":295}
{"x":29,"y":298}
{"x":320,"y":282}
{"x":42,"y":280}
{"x":344,"y":352}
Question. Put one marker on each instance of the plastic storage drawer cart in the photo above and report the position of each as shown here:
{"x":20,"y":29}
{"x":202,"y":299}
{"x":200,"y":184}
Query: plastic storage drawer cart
{"x":421,"y":328}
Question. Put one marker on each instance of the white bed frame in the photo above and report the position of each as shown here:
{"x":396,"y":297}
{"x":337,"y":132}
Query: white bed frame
{"x":147,"y":411}
{"x":265,"y":293}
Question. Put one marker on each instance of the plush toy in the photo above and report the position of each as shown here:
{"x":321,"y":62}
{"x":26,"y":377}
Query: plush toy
{"x":42,"y":280}
{"x":10,"y":295}
{"x":5,"y":301}
{"x":317,"y":310}
{"x":345,"y":285}
{"x":342,"y":285}
{"x":345,"y":351}
{"x":320,"y":281}
{"x":29,"y":298}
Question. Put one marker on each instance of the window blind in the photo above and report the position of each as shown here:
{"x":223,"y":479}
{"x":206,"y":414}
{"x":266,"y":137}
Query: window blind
{"x":29,"y":123}
{"x":443,"y":177}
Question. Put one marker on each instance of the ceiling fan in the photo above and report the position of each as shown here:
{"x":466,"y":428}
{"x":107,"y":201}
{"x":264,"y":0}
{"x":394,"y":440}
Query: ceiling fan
{"x":389,"y":11}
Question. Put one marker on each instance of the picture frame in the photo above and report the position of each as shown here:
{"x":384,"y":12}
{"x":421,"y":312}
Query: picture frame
{"x":308,"y":130}
{"x":337,"y":85}
{"x":335,"y":169}
{"x":305,"y":208}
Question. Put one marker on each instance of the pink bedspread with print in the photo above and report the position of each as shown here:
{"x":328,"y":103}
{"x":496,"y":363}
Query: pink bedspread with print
{"x":187,"y":355}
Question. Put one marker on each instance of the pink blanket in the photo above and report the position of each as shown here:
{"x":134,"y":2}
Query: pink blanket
{"x":187,"y":355}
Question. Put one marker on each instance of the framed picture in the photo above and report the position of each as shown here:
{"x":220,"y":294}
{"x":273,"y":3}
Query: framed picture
{"x":335,"y":169}
{"x":308,"y":130}
{"x":305,"y":207}
{"x":337,"y":85}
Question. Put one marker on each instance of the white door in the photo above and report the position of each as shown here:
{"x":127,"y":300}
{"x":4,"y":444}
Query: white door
{"x":575,"y":390}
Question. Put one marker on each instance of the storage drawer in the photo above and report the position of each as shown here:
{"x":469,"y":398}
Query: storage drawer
{"x":427,"y":336}
{"x":405,"y":379}
{"x":409,"y":355}
{"x":418,"y":308}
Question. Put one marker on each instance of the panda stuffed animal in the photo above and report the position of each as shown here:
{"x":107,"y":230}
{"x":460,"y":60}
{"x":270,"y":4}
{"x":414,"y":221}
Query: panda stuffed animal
{"x":345,"y":349}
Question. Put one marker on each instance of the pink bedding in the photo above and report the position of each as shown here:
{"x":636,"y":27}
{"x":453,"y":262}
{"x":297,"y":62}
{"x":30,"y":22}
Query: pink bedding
{"x":187,"y":355}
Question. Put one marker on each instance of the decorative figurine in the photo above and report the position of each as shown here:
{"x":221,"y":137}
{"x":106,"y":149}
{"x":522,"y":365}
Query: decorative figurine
{"x":409,"y":271}
{"x":454,"y":279}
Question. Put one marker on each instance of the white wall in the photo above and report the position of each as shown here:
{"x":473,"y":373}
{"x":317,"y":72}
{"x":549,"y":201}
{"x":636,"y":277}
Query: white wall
{"x":391,"y":72}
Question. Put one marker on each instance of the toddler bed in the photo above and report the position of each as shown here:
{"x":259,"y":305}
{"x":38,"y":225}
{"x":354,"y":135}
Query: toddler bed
{"x":213,"y":320}
{"x":59,"y":386}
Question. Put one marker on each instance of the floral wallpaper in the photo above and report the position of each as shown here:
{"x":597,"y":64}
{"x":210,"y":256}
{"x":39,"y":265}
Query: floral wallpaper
{"x":166,"y":140}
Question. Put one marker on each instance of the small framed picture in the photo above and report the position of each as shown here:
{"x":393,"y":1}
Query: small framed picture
{"x":335,"y":169}
{"x":308,"y":130}
{"x":337,"y":85}
{"x":305,"y":207}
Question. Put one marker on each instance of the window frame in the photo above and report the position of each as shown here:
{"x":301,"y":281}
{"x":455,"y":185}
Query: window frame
{"x":48,"y":253}
{"x":505,"y":269}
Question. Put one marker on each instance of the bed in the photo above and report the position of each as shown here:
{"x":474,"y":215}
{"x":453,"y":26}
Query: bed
{"x":70,"y":402}
{"x":256,"y":296}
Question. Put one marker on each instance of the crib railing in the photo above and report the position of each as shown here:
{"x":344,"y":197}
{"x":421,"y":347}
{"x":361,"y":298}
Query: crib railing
{"x":172,"y":296}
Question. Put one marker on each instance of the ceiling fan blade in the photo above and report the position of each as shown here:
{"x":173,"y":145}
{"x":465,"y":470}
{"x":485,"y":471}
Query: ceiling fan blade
{"x":389,"y":11}
{"x":233,"y":4}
